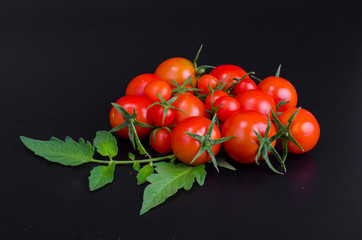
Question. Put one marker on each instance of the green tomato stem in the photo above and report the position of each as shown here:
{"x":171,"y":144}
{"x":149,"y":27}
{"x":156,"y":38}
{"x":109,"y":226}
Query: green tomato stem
{"x":133,"y":161}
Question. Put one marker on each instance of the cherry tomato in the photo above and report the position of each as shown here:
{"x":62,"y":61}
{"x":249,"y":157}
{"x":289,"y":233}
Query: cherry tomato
{"x":178,"y":69}
{"x":304,"y":128}
{"x":137,"y":85}
{"x":244,"y":147}
{"x":140,"y":105}
{"x":185,"y":147}
{"x":279,"y":88}
{"x":205,"y":81}
{"x":226,"y":73}
{"x":244,"y":85}
{"x":216,"y":95}
{"x":229,"y":106}
{"x":256,"y":100}
{"x":190,"y":104}
{"x":161,"y":143}
{"x":157,"y":115}
{"x":157,"y":86}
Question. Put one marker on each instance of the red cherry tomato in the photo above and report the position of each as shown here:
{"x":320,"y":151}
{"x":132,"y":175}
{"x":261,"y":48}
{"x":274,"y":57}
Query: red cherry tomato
{"x":256,"y":100}
{"x":244,"y":85}
{"x":178,"y":69}
{"x":157,"y":86}
{"x":244,"y":147}
{"x":137,"y":85}
{"x":161,"y":140}
{"x":190,"y":104}
{"x":279,"y":88}
{"x":185,"y":147}
{"x":216,"y":95}
{"x":229,"y":106}
{"x":304,"y":128}
{"x":205,"y":81}
{"x":228,"y":72}
{"x":140,"y":105}
{"x":157,"y":115}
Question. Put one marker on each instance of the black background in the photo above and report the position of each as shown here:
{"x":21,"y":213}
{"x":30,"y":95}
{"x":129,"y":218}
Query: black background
{"x":63,"y":62}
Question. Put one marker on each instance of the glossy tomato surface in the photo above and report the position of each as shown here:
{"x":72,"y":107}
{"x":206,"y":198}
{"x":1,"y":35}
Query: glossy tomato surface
{"x":226,"y":73}
{"x":304,"y":128}
{"x":137,"y":85}
{"x":243,"y":148}
{"x":229,"y":106}
{"x":185,"y":147}
{"x":256,"y":100}
{"x":157,"y":115}
{"x":178,"y":69}
{"x":244,"y":85}
{"x":130,"y":103}
{"x":205,"y":81}
{"x":161,"y":140}
{"x":279,"y":88}
{"x":157,"y":86}
{"x":215,"y":96}
{"x":190,"y":104}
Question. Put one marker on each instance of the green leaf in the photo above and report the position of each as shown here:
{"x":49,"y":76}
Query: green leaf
{"x":101,"y":176}
{"x":143,"y":173}
{"x":168,"y":180}
{"x":69,"y":152}
{"x":106,"y":143}
{"x":223,"y":163}
{"x":131,"y":156}
{"x":136,"y":166}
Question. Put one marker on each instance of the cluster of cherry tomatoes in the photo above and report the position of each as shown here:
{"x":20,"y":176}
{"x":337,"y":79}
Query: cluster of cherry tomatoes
{"x":179,"y":100}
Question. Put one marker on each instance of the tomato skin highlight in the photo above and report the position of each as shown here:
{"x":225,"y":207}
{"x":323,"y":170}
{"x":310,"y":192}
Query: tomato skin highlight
{"x":256,"y":100}
{"x":204,"y":82}
{"x":229,"y":71}
{"x":244,"y":85}
{"x":137,"y":85}
{"x":140,"y":104}
{"x":185,"y":147}
{"x":157,"y":115}
{"x":190,"y":104}
{"x":178,"y":69}
{"x":216,"y":95}
{"x":244,"y":147}
{"x":304,"y":128}
{"x":157,"y":86}
{"x":229,"y":107}
{"x":279,"y":88}
{"x":162,"y":141}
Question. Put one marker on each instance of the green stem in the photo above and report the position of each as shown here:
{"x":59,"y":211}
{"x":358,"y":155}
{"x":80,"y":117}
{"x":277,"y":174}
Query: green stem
{"x":133,"y":161}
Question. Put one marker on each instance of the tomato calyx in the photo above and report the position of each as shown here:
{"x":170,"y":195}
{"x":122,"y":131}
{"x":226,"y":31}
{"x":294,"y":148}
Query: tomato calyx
{"x":180,"y":89}
{"x":130,"y":122}
{"x":153,"y":133}
{"x":199,"y":70}
{"x":284,"y":132}
{"x":280,"y":103}
{"x":166,"y":105}
{"x":213,"y":110}
{"x":237,"y":80}
{"x":206,"y":142}
{"x":265,"y":147}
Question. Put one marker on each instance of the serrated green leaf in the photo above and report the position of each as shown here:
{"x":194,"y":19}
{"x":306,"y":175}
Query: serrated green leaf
{"x":101,"y":176}
{"x":222,"y":163}
{"x":168,"y":180}
{"x":136,"y":166}
{"x":68,"y":152}
{"x":131,"y":156}
{"x":143,"y":173}
{"x":106,"y":144}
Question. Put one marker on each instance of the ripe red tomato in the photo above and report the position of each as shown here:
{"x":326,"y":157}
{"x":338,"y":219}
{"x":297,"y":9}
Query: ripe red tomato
{"x":205,"y":81}
{"x":256,"y":100}
{"x":304,"y":128}
{"x":244,"y":85}
{"x":178,"y":69}
{"x":221,"y":72}
{"x":162,"y":141}
{"x":137,"y":85}
{"x":157,"y":115}
{"x":140,"y":105}
{"x":244,"y":147}
{"x":190,"y":104}
{"x":279,"y":88}
{"x":216,"y":95}
{"x":229,"y":107}
{"x":157,"y":86}
{"x":185,"y":147}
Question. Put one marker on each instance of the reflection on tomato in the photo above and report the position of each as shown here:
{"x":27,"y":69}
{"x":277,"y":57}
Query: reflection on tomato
{"x":190,"y":104}
{"x":137,"y":85}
